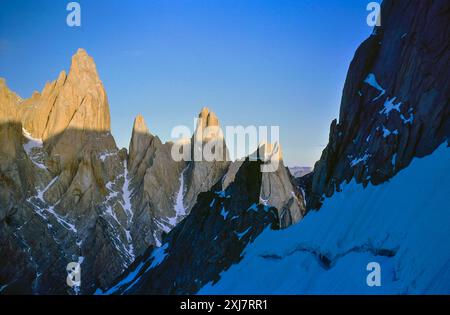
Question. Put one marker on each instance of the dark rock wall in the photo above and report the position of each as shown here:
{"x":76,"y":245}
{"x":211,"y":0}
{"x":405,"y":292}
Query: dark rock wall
{"x":395,"y":102}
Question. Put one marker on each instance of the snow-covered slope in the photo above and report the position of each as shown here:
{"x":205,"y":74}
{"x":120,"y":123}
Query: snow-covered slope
{"x":403,"y":224}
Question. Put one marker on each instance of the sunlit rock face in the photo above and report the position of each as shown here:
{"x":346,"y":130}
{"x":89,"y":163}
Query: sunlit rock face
{"x":165,"y":189}
{"x":63,"y":186}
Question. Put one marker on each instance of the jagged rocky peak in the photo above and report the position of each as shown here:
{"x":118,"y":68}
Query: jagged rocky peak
{"x":277,"y":188}
{"x":83,"y":67}
{"x":75,"y":101}
{"x":210,"y":159}
{"x":208,"y":126}
{"x":139,"y":125}
{"x":270,"y":151}
{"x":84,"y":87}
{"x":70,"y":183}
{"x":141,"y":140}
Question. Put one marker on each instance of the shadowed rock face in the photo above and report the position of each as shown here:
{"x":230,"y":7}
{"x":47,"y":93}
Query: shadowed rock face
{"x":212,"y":237}
{"x":75,"y":214}
{"x":202,"y":174}
{"x":395,"y":103}
{"x":165,"y":190}
{"x":155,"y":182}
{"x":209,"y":240}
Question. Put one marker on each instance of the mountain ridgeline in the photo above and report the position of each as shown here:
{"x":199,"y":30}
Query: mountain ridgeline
{"x":69,"y":194}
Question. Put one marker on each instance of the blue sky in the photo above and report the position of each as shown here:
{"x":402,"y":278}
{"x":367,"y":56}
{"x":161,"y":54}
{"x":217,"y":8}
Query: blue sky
{"x":253,"y":62}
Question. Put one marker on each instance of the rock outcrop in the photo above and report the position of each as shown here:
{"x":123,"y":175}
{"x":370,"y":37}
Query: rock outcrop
{"x":156,"y":181}
{"x":395,"y":102}
{"x":204,"y":171}
{"x":13,"y":163}
{"x":277,"y":188}
{"x":164,"y":189}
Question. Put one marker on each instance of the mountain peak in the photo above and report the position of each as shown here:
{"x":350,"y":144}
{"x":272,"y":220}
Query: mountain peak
{"x":83,"y":67}
{"x":204,"y":113}
{"x":207,"y":120}
{"x":271,"y":151}
{"x":141,"y":139}
{"x":139,"y":125}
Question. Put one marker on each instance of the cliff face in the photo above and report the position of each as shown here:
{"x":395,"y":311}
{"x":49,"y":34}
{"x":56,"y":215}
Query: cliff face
{"x":61,"y":188}
{"x":206,"y":242}
{"x":395,"y":102}
{"x":76,"y":101}
{"x":13,"y":165}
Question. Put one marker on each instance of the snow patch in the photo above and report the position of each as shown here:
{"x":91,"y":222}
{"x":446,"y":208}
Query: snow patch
{"x":104,"y":155}
{"x":32,"y":148}
{"x":389,"y":105}
{"x":241,"y":235}
{"x":157,"y":257}
{"x":409,"y":120}
{"x":180,"y":210}
{"x":393,"y":160}
{"x":224,"y":213}
{"x":372,"y":81}
{"x":387,"y":132}
{"x":253,"y":207}
{"x":363,"y":159}
{"x":42,"y":211}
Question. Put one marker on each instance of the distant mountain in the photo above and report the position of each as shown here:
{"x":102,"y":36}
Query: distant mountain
{"x":299,"y":171}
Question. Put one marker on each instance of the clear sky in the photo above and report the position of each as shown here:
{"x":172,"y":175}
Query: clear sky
{"x":253,"y":62}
